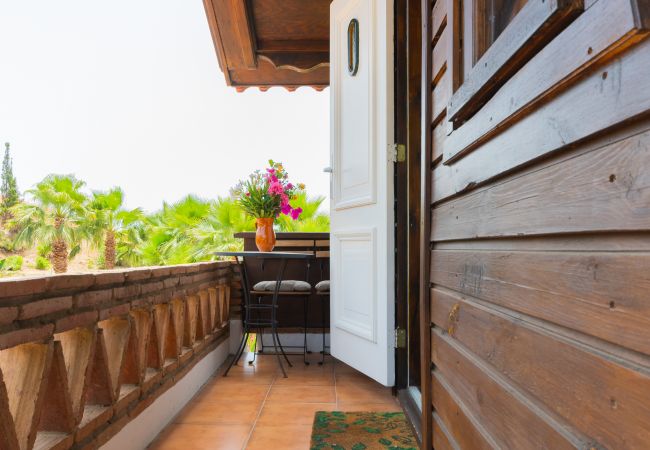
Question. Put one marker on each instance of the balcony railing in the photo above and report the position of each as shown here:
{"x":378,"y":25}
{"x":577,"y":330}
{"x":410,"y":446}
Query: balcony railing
{"x":83,"y":355}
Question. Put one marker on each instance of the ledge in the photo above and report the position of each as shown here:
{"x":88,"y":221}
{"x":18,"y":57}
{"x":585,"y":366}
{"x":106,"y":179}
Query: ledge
{"x":83,"y":354}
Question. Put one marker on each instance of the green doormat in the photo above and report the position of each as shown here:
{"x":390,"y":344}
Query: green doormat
{"x":361,"y":431}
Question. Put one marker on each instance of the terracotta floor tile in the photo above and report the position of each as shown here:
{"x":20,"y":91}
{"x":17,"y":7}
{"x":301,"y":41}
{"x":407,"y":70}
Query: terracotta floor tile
{"x":287,"y":413}
{"x":288,"y":437}
{"x":198,"y":437}
{"x":255,"y":404}
{"x":363,"y":394}
{"x":302,"y":394}
{"x":231,"y":392}
{"x":247,"y":378}
{"x":307,"y":378}
{"x":208,"y":412}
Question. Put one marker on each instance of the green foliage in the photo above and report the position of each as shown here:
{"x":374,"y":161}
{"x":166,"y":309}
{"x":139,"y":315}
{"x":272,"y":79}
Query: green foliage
{"x":311,"y":219}
{"x":11,"y":263}
{"x":57,"y":213}
{"x":8,"y":188}
{"x":190,"y":230}
{"x":6,"y":242}
{"x":42,"y":263}
{"x":105,"y":214}
{"x":44,"y":249}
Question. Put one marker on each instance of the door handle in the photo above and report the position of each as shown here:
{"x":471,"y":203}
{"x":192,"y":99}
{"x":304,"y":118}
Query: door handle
{"x":328,"y":170}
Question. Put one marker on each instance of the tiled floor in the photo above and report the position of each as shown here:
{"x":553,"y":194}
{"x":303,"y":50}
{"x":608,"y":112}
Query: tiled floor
{"x":256,"y":408}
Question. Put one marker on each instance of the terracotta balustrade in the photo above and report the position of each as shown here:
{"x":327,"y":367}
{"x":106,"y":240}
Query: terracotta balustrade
{"x":82,"y":355}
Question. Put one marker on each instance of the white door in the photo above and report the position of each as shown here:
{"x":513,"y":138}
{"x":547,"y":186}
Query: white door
{"x":362,"y":219}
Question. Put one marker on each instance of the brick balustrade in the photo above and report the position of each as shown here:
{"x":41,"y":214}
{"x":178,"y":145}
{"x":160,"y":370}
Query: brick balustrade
{"x":82,"y":355}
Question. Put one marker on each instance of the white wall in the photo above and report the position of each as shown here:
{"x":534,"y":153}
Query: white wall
{"x":139,"y":433}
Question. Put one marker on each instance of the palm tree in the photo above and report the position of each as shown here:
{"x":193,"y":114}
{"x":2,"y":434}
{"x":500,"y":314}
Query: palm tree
{"x":55,"y":218}
{"x":107,"y":220}
{"x":311,"y":219}
{"x":216,"y":231}
{"x":169,"y":239}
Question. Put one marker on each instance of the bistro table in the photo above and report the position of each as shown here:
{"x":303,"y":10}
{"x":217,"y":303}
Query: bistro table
{"x":250,"y":323}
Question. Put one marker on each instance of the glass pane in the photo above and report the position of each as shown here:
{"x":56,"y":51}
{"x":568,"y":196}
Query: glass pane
{"x":492,"y":17}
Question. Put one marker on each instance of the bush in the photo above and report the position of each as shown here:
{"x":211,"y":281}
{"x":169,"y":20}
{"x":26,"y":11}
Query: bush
{"x":11,"y":263}
{"x":42,"y":263}
{"x":44,"y":250}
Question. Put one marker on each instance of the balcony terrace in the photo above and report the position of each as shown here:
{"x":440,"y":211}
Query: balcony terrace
{"x":264,"y":410}
{"x":85,"y":356}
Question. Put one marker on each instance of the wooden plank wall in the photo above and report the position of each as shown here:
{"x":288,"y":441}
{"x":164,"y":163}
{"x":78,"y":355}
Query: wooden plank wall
{"x":540,"y":243}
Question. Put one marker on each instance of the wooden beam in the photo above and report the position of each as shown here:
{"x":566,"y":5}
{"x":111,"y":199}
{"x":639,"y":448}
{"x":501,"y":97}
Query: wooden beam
{"x":244,"y":29}
{"x":216,"y":39}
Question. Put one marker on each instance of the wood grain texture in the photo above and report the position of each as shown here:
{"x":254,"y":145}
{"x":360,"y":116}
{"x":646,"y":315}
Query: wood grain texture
{"x":438,"y":18}
{"x":596,"y":103}
{"x":271,"y":42}
{"x":514,"y":420}
{"x":603,"y":294}
{"x":591,"y":392}
{"x":441,"y":93}
{"x":441,"y":438}
{"x":440,"y":53}
{"x":465,"y":431}
{"x":598,"y":35}
{"x":607,"y":189}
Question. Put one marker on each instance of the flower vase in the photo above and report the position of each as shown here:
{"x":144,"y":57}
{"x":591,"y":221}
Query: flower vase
{"x":265,"y":235}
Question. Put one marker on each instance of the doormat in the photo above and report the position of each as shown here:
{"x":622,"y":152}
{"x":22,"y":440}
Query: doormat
{"x":361,"y":431}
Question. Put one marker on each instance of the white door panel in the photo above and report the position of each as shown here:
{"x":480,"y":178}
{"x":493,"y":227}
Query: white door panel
{"x":362,"y":219}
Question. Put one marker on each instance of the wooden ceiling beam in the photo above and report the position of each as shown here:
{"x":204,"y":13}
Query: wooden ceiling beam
{"x":244,"y":27}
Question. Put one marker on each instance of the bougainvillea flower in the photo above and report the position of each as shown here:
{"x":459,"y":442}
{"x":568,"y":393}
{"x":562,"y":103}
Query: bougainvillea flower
{"x":295,"y":213}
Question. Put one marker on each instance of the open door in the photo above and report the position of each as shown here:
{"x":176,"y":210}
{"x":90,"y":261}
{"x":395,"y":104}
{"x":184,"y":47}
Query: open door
{"x":362,"y":214}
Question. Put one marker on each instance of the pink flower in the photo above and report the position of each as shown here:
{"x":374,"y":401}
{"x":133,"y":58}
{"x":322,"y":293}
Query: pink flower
{"x":248,"y":194}
{"x":289,"y":186}
{"x":285,"y":209}
{"x":295,"y":213}
{"x":284,"y":199}
{"x":270,"y":170}
{"x":275,"y":188}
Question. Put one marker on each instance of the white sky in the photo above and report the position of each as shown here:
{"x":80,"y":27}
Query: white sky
{"x":129,"y":93}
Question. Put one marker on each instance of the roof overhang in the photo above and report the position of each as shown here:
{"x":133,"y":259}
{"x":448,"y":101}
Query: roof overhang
{"x":265,"y":43}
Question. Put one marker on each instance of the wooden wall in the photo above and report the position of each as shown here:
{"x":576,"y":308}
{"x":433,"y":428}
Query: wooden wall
{"x":540,"y":241}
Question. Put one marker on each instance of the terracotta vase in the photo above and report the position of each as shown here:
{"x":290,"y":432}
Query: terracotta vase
{"x":265,"y":235}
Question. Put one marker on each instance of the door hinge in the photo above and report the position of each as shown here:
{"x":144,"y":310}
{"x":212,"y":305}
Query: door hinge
{"x":396,"y":152}
{"x":400,"y":337}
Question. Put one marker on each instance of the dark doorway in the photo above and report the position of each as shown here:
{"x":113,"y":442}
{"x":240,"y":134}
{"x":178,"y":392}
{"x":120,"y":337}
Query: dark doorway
{"x":408,"y":43}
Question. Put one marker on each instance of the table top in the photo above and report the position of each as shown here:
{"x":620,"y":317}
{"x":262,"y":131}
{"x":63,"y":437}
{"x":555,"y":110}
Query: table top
{"x":269,"y":255}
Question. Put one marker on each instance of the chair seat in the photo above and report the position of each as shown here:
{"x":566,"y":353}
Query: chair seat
{"x":323,"y":286}
{"x":285,"y":286}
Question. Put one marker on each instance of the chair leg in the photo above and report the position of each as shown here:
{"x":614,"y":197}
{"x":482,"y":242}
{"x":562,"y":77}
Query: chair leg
{"x":274,"y":334}
{"x":282,"y":349}
{"x":304,"y":350}
{"x":242,"y":347}
{"x":322,"y":359}
{"x":236,"y":357}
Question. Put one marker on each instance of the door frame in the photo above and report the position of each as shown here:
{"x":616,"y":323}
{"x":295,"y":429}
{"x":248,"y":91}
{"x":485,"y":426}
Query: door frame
{"x":408,"y":205}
